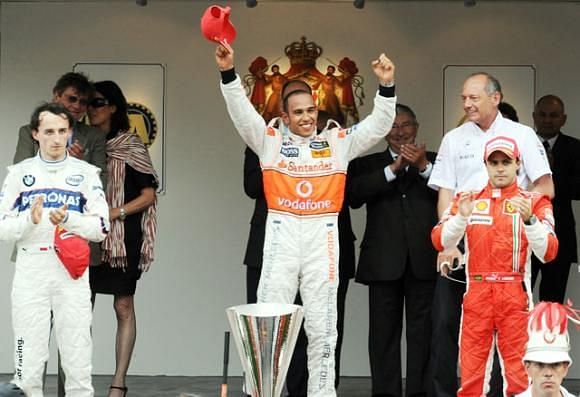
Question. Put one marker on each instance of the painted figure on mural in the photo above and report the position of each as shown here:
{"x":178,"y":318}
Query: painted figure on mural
{"x":328,"y":101}
{"x":276,"y":81}
{"x":258,"y":71}
{"x":335,"y":91}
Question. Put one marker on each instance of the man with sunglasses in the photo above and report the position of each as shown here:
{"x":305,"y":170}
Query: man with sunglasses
{"x":73,"y":91}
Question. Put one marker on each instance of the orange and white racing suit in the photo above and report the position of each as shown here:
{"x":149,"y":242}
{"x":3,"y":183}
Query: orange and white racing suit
{"x":498,"y":247}
{"x":304,"y":181}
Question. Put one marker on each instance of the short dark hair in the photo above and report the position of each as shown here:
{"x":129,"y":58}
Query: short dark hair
{"x":112,"y":93}
{"x":78,"y":81}
{"x":401,"y":108}
{"x":292,"y":87}
{"x":551,"y":97}
{"x":54,"y":108}
{"x":508,"y":111}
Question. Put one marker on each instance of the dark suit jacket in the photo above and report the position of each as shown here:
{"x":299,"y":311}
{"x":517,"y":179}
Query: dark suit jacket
{"x":91,"y":138}
{"x":400,"y":216}
{"x":566,"y":176}
{"x":254,"y":188}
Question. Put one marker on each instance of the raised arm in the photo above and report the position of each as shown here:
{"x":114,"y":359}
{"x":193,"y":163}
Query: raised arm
{"x":250,"y":125}
{"x":364,"y":135}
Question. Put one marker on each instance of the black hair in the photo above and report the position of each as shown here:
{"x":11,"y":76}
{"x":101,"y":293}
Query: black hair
{"x":401,"y":108}
{"x":54,"y":108}
{"x":286,"y":92}
{"x":508,"y":111}
{"x":112,"y":93}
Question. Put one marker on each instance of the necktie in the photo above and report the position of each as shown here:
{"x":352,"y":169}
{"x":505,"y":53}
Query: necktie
{"x":549,"y":152}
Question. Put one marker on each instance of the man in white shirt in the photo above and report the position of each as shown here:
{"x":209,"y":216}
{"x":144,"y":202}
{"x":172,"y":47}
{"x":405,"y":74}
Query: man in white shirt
{"x":459,"y":167}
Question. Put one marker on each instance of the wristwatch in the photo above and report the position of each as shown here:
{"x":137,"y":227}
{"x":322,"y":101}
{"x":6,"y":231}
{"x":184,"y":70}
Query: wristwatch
{"x":531,"y":221}
{"x":122,"y":213}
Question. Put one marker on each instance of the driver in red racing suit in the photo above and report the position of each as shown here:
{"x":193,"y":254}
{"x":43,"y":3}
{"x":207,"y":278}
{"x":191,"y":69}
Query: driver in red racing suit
{"x":304,"y":179}
{"x":502,"y":225}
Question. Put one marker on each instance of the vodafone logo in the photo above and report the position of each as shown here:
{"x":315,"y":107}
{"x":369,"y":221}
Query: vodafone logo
{"x":304,"y":189}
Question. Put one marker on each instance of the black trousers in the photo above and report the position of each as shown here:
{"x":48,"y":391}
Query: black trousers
{"x":446,"y":320}
{"x":386,"y":302}
{"x":554,"y":279}
{"x":297,"y":377}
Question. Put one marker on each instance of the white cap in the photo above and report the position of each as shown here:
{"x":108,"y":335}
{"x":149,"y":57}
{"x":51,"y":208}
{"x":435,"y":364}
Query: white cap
{"x":549,"y":341}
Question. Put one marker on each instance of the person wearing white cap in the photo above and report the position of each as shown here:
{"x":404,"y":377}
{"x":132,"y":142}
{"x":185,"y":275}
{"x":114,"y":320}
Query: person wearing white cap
{"x":501,"y":225}
{"x":547,"y":357}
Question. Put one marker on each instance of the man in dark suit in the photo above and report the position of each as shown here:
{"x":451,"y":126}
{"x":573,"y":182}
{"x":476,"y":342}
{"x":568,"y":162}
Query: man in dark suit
{"x":397,"y":260}
{"x":563,"y":154}
{"x":73,"y":91}
{"x":297,"y":377}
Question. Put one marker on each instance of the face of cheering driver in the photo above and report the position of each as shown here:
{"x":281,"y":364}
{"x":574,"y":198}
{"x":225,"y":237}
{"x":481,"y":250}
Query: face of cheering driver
{"x":403,"y":131}
{"x":502,"y":170}
{"x":479,"y":106}
{"x":546,"y":378}
{"x":301,"y":115}
{"x":72,"y":101}
{"x":52,"y":135}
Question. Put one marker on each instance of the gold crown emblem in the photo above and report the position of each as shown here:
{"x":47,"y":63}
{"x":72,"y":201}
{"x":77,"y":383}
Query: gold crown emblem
{"x":302,"y":52}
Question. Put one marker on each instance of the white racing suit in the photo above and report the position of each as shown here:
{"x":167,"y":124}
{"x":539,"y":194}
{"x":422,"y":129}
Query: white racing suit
{"x":304,"y":181}
{"x":41,"y":283}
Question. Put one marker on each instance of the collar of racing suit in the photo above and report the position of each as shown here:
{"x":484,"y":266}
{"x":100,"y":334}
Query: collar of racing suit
{"x":292,"y":136}
{"x":52,"y":166}
{"x":508,"y":191}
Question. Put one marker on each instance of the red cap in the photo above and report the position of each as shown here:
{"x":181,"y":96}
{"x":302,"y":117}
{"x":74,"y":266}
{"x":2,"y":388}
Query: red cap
{"x":502,"y":144}
{"x":216,"y":25}
{"x":73,"y":251}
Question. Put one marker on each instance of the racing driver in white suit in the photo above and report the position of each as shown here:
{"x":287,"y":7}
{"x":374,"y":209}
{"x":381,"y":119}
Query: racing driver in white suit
{"x":304,"y":179}
{"x":38,"y":195}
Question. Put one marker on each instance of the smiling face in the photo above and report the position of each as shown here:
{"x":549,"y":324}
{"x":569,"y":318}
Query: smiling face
{"x":74,"y":102}
{"x":100,"y":112}
{"x":546,"y":378}
{"x":502,"y":170}
{"x":403,"y":131}
{"x":479,"y":106}
{"x":302,"y":114}
{"x":52,"y":135}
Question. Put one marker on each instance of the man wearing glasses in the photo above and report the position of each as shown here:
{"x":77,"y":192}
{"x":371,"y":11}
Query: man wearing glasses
{"x":397,"y":261}
{"x":73,"y":91}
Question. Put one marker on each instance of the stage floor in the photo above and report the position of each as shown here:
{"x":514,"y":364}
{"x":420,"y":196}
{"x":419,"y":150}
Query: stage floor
{"x":209,"y":386}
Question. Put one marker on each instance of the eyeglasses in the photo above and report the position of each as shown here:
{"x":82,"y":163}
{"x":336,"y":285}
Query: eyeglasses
{"x":83,"y":101}
{"x":404,"y":126}
{"x":98,"y":102}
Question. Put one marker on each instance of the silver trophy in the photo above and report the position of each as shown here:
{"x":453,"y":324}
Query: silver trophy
{"x":265,"y":335}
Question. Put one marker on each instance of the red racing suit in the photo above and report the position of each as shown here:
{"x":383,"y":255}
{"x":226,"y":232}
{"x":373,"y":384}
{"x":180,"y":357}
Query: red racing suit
{"x":498,"y":247}
{"x":304,"y":180}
